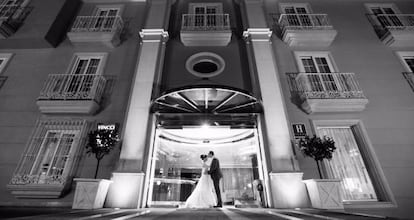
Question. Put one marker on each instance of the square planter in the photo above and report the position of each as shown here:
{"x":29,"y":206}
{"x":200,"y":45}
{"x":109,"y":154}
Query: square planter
{"x":324,"y":193}
{"x":90,"y":193}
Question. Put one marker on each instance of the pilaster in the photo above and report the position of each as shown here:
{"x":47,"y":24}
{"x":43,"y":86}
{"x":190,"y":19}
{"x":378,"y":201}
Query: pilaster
{"x":286,"y":186}
{"x":128,"y":179}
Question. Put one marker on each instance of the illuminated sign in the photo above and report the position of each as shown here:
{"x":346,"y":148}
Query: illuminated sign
{"x":299,"y":130}
{"x":110,"y":127}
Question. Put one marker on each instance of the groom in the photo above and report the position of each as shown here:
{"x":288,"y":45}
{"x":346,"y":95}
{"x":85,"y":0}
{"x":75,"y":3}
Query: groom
{"x":216,"y":175}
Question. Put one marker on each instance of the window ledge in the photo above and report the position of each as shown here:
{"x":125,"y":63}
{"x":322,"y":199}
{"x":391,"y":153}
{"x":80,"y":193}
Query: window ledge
{"x":369,"y":204}
{"x":37,"y":190}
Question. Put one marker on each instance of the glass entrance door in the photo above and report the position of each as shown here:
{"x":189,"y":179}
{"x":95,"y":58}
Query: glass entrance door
{"x":176,"y":165}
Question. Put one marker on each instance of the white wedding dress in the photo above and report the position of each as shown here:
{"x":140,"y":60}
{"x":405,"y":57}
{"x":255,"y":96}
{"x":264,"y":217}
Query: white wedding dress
{"x":204,"y":195}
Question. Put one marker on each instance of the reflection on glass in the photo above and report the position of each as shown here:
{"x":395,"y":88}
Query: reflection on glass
{"x":177,"y":168}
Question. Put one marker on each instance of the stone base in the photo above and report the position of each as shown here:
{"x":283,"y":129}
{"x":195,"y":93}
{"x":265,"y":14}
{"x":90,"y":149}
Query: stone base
{"x":288,"y":190}
{"x":324,"y":193}
{"x":125,"y":191}
{"x":90,"y":193}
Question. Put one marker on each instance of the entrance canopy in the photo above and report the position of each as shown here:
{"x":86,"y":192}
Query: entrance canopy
{"x":206,"y":99}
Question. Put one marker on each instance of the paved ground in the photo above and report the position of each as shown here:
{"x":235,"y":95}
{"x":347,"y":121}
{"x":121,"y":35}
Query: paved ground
{"x":228,"y":213}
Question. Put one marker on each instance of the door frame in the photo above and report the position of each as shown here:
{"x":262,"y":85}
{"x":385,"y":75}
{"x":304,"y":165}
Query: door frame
{"x":154,"y":144}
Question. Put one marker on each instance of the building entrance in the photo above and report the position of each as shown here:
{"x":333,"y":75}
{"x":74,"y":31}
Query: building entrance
{"x":176,"y":165}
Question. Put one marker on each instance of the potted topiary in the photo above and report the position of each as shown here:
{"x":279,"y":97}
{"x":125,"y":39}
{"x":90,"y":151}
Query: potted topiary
{"x":323,"y":193}
{"x":91,"y":193}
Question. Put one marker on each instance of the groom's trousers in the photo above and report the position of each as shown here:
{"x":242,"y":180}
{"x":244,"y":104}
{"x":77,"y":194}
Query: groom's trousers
{"x":216,"y":183}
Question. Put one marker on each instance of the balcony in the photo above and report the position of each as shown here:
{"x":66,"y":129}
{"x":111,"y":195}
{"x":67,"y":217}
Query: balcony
{"x":329,"y":92}
{"x":395,"y":30}
{"x":68,"y":93}
{"x":104,"y":30}
{"x":205,"y":30}
{"x":11,"y":18}
{"x":306,"y":30}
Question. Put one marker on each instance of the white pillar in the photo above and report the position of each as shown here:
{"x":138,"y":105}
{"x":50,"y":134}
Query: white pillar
{"x":276,"y":124}
{"x":128,"y":179}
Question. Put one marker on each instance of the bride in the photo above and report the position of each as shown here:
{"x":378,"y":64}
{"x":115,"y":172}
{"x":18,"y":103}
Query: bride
{"x":203,"y":195}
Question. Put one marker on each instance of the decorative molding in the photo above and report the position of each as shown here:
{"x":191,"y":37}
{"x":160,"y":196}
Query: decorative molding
{"x":205,"y":57}
{"x":153,"y":35}
{"x":309,"y":37}
{"x":257,"y":34}
{"x":43,"y":191}
{"x":334,"y":105}
{"x":399,"y":37}
{"x":68,"y":106}
{"x":206,"y":38}
{"x":108,"y":39}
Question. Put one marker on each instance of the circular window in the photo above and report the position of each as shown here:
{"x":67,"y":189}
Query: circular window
{"x":205,"y":64}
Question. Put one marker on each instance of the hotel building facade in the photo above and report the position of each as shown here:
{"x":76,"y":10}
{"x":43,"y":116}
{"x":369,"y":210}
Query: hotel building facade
{"x":244,"y":78}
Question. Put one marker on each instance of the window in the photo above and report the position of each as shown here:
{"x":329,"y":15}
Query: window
{"x":51,"y":154}
{"x":205,"y":64}
{"x":354,"y":162}
{"x":407,"y":60}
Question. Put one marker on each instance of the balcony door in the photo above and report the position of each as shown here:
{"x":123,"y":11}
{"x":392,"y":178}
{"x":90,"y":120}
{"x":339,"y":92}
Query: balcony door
{"x":83,"y":75}
{"x":105,"y":18}
{"x":297,"y":15}
{"x":386,"y":15}
{"x":318,"y":63}
{"x":205,"y":13}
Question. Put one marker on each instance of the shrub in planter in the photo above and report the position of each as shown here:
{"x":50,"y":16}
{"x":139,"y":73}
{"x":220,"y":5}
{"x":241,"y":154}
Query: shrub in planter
{"x":101,"y":143}
{"x":317,"y":148}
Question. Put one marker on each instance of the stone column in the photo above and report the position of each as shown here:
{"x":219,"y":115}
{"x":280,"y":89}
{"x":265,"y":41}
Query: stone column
{"x":287,"y":188}
{"x":128,"y":179}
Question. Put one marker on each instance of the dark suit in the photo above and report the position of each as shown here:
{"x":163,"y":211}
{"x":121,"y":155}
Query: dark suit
{"x":216,"y":175}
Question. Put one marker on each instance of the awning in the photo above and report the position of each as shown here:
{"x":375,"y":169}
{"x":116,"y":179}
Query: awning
{"x":206,"y":99}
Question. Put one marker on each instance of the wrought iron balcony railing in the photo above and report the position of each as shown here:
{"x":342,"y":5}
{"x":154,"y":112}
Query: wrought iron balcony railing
{"x":73,"y":87}
{"x":383,"y":23}
{"x":97,"y":24}
{"x":328,"y":86}
{"x":304,"y":21}
{"x":205,"y":22}
{"x":395,"y":21}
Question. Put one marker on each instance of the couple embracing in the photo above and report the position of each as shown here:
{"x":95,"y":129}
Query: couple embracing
{"x":207,"y":192}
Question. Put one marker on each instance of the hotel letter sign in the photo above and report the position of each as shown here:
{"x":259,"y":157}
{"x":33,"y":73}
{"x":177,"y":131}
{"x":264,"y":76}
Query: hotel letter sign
{"x":299,"y":130}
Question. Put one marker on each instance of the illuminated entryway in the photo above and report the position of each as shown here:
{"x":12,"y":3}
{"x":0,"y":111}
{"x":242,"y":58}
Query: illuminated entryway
{"x":194,"y":120}
{"x":176,"y":165}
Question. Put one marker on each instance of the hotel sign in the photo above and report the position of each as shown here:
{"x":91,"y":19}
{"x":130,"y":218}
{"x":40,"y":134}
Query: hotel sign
{"x":299,"y":130}
{"x":109,"y":127}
